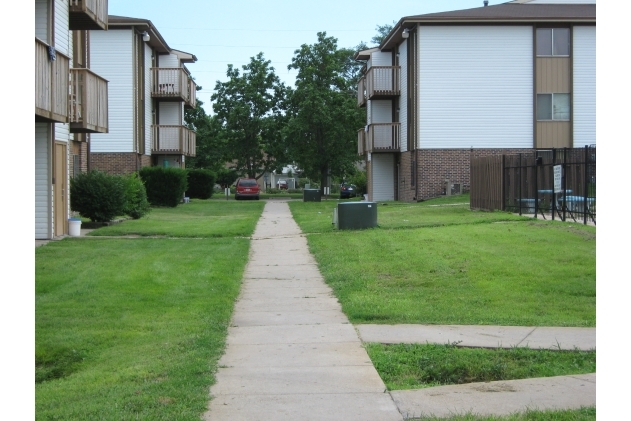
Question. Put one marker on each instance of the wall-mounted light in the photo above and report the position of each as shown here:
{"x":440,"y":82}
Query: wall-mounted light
{"x":145,"y":36}
{"x":405,"y":33}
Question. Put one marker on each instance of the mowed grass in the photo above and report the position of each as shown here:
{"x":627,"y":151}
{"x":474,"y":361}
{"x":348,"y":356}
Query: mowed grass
{"x":132,"y":328}
{"x":197,"y":219}
{"x":415,"y":366}
{"x":464,"y":267}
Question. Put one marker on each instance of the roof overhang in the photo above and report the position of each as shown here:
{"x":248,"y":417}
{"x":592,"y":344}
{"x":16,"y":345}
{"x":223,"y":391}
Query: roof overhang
{"x":140,"y":25}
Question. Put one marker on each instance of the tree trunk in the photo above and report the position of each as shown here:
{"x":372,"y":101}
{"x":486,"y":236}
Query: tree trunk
{"x":324,"y":173}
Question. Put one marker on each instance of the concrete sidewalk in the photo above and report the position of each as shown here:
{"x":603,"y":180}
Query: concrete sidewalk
{"x":291,"y":352}
{"x":554,"y":338}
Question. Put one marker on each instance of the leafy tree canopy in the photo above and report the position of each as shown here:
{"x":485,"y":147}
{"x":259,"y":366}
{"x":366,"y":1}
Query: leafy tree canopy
{"x":382,"y":32}
{"x":250,"y":110}
{"x":323,"y":114}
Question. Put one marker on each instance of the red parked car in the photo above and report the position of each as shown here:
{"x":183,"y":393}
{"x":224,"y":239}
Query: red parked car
{"x":247,"y":188}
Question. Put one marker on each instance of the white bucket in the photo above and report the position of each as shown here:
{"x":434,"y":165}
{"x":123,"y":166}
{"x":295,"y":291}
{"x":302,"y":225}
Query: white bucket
{"x":74,"y":227}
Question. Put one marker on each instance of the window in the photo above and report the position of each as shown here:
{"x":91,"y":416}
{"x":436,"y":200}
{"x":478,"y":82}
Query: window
{"x":553,"y":42}
{"x":553,"y":107}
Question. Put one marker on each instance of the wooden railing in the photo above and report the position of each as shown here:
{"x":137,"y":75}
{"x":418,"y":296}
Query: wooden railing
{"x":383,"y":82}
{"x":51,"y":83}
{"x":361,"y":141}
{"x":88,"y":102}
{"x":383,"y":137}
{"x":87,"y":14}
{"x":361,"y":92}
{"x":172,"y":140}
{"x":173,"y":84}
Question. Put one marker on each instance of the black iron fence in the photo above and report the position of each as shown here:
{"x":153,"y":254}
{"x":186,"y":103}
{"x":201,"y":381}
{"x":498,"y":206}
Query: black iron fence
{"x":555,"y":183}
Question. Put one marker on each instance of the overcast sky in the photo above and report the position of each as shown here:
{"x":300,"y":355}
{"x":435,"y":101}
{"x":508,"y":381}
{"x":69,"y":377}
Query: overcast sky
{"x":230,"y":32}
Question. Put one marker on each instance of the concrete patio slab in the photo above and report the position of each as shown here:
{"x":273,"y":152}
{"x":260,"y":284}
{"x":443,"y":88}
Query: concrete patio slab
{"x":499,"y":398}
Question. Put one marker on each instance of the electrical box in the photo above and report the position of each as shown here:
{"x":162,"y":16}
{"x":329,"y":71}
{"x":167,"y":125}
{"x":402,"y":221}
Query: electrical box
{"x":356,"y":215}
{"x":311,"y":195}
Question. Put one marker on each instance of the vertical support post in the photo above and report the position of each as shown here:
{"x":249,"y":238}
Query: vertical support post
{"x":586,"y":183}
{"x":519,"y":185}
{"x":536,"y":169}
{"x":564,"y":186}
{"x":554,"y":193}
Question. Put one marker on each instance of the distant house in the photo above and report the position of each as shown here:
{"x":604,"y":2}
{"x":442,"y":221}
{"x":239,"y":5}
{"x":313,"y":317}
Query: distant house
{"x":444,"y":88}
{"x":71,"y":104}
{"x":149,"y":87}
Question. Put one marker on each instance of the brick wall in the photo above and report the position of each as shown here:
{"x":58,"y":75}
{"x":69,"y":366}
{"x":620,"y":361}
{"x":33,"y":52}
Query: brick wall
{"x":406,"y":192}
{"x":118,"y":163}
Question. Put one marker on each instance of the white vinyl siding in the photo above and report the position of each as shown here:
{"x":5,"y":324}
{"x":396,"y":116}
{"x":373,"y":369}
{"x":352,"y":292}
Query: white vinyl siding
{"x":383,"y":177}
{"x":43,"y":190}
{"x":403,"y":103}
{"x":381,"y":111}
{"x":62,"y":34}
{"x":380,"y":58}
{"x":584,"y":98}
{"x":170,"y":114}
{"x":168,"y":60}
{"x":148,"y":100}
{"x":41,"y":20}
{"x":475,"y":87}
{"x":111,"y":57}
{"x":369,"y":112}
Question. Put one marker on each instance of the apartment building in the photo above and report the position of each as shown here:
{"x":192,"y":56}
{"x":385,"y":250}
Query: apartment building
{"x":149,"y":87}
{"x":445,"y":88}
{"x":71,"y":103}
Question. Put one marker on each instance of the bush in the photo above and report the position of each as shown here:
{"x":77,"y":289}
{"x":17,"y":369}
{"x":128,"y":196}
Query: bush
{"x":136,"y":204}
{"x":97,"y":195}
{"x":226,"y":176}
{"x":359,"y":180}
{"x":201,"y":183}
{"x":165,"y":186}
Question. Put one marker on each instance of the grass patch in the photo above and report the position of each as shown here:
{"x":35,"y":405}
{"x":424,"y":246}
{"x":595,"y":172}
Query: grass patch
{"x":197,"y":219}
{"x":415,"y":366}
{"x":463,"y":267}
{"x":582,"y":414}
{"x":132,"y":328}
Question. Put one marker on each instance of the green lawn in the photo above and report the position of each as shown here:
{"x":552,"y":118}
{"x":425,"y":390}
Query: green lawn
{"x":456,"y":266}
{"x":199,"y":218}
{"x":133,"y":328}
{"x":583,"y":414}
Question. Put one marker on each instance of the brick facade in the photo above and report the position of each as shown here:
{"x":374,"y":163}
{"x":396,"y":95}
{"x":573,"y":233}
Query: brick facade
{"x":119,"y":163}
{"x":433,"y":167}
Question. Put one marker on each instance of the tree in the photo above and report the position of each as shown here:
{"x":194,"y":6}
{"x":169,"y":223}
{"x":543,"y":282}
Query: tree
{"x":210,"y":150}
{"x":323,"y":113}
{"x":249,"y":108}
{"x":382,"y":32}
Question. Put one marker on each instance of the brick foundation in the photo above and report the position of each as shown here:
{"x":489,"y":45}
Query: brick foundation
{"x":119,"y":163}
{"x":433,"y":167}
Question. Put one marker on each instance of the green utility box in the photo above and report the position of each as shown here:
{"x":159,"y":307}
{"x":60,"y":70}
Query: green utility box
{"x":356,"y":215}
{"x":311,"y":195}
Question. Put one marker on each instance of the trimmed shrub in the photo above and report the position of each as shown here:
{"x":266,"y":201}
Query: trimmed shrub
{"x":226,"y":176}
{"x":201,"y":183}
{"x":136,"y":204}
{"x":165,"y":186}
{"x":97,"y":195}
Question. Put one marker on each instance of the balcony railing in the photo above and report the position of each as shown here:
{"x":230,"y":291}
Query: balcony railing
{"x":383,"y":137}
{"x":88,"y":102}
{"x":51,"y":83}
{"x":383,"y":82}
{"x":361,"y":92}
{"x":361,"y":141}
{"x":87,"y":14}
{"x":173,"y":84}
{"x":172,"y":140}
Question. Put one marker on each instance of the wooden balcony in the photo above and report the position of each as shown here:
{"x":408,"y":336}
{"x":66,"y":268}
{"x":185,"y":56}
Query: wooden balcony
{"x":173,"y":84}
{"x":52,"y":70}
{"x":361,"y":141}
{"x":87,"y":14}
{"x":88,"y":102}
{"x":383,"y":137}
{"x":383,"y":82}
{"x":172,"y":140}
{"x":361,"y":92}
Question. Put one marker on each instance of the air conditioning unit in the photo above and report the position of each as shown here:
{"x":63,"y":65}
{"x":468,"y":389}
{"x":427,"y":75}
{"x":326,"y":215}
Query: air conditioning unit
{"x":452,"y":188}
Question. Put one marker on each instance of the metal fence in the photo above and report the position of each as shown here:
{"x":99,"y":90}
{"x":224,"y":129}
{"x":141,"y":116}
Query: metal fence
{"x":527,"y":184}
